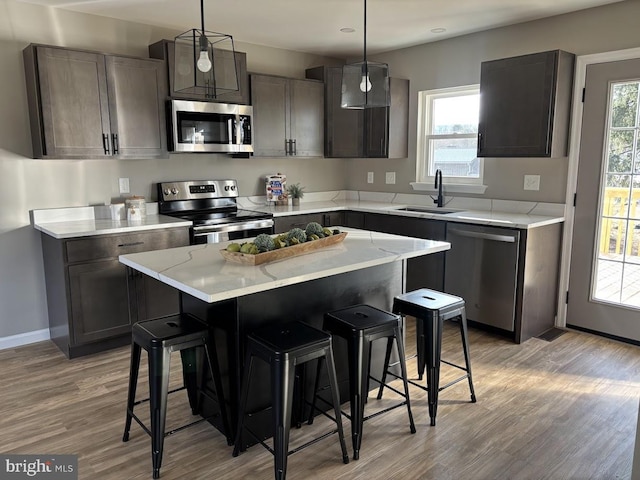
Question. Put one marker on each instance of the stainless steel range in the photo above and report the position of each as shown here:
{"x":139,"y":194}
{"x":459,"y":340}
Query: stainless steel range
{"x":212,"y":207}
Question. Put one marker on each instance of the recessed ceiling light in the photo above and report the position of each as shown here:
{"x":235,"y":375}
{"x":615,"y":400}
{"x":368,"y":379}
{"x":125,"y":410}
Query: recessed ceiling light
{"x":438,"y":30}
{"x":347,"y":30}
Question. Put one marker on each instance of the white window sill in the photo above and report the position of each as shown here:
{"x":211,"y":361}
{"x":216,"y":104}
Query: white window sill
{"x":449,"y":188}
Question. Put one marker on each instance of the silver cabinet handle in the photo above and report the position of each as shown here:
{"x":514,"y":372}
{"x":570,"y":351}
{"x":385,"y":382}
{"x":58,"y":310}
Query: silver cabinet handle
{"x":484,"y":236}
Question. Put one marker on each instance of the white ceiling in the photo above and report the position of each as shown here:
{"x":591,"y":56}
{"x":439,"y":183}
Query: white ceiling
{"x":314,"y":25}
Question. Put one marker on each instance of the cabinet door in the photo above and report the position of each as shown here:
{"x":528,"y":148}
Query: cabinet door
{"x":376,"y":132}
{"x":136,"y":105}
{"x":269,"y":97}
{"x":344,"y":127}
{"x":306,"y":118}
{"x":99,"y":301}
{"x":422,"y":272}
{"x":516,"y":106}
{"x":74,"y":103}
{"x":284,"y":224}
{"x":154,"y":299}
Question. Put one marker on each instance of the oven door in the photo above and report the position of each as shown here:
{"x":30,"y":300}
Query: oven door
{"x":230,"y":231}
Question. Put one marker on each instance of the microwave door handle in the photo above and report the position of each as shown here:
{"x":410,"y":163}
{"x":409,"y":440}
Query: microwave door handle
{"x":240,"y":131}
{"x":230,"y":131}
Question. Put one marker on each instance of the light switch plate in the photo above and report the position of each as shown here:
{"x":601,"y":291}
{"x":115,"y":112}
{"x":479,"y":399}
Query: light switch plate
{"x":390,"y":177}
{"x":124,"y":185}
{"x":369,"y":177}
{"x":532,"y":182}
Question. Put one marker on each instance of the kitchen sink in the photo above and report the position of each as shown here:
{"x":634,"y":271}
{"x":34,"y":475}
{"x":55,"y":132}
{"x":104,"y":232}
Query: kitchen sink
{"x":427,"y":209}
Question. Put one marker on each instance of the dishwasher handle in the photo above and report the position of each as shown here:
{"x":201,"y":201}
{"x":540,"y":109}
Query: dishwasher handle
{"x":484,"y":236}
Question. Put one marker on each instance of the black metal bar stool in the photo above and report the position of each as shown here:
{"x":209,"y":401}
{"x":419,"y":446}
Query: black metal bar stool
{"x":431,"y":309}
{"x":360,"y":326}
{"x":161,"y":337}
{"x":284,"y":347}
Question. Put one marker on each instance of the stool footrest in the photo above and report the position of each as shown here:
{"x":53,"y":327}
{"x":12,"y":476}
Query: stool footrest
{"x":138,"y":402}
{"x":388,"y":409}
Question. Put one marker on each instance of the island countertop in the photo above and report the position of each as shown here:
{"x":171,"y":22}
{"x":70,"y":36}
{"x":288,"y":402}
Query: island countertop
{"x":201,"y":271}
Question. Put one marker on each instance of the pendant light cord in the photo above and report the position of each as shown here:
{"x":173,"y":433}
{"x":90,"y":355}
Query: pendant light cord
{"x":202,"y":15}
{"x":365,"y":31}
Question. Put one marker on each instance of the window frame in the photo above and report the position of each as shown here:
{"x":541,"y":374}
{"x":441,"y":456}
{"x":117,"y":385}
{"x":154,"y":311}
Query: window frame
{"x":423,"y":159}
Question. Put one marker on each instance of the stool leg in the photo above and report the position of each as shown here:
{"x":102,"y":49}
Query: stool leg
{"x":189,"y":375}
{"x":133,"y":383}
{"x":465,"y":347}
{"x":433,"y":347}
{"x":315,"y":393}
{"x":214,"y":371}
{"x":333,"y":382}
{"x":159,"y":366}
{"x":420,"y":347}
{"x":282,"y":382}
{"x":403,"y":370}
{"x":358,"y":372}
{"x":387,"y":359}
{"x":248,"y":363}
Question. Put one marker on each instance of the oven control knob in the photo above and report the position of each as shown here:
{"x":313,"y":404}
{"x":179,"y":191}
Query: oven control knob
{"x":226,"y":188}
{"x":174,"y":190}
{"x":167,"y":191}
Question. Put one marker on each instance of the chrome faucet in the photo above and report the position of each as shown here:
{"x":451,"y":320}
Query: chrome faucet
{"x":438,"y":201}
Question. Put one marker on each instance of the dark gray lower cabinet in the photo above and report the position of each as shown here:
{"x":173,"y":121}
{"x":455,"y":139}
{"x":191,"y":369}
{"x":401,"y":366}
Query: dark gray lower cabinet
{"x":326,"y":219}
{"x":422,"y":272}
{"x":93,"y":299}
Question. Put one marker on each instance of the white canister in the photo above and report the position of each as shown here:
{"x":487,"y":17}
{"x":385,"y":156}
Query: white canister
{"x":136,"y":208}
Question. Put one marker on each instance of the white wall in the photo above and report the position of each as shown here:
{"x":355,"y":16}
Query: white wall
{"x":31,"y":184}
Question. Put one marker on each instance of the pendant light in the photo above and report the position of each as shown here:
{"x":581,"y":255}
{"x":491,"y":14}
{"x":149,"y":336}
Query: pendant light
{"x":205,"y":62}
{"x":365,"y":84}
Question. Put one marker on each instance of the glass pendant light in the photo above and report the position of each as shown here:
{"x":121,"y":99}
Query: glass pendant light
{"x":205,"y":62}
{"x":365,"y":84}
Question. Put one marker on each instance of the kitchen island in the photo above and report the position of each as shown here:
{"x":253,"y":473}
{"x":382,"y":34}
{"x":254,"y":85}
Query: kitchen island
{"x":235,"y":299}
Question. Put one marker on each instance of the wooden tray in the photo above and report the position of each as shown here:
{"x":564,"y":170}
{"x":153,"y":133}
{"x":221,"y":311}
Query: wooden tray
{"x":285,"y":252}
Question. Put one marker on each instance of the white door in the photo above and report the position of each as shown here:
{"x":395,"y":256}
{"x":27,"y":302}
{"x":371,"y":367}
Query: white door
{"x":604,"y":279}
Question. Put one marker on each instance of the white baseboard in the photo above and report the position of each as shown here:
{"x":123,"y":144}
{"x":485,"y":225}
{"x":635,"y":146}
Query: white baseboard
{"x":24,"y":338}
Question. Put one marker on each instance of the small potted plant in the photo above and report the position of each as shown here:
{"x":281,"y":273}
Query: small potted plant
{"x":295,"y":191}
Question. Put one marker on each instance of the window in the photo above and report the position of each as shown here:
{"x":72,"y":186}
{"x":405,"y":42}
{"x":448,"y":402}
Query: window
{"x":448,"y":136}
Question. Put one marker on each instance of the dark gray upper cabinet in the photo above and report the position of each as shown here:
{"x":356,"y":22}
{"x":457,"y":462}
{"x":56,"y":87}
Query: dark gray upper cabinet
{"x":90,"y":105}
{"x":525,"y":105}
{"x":165,"y":50}
{"x":368,"y":133}
{"x":287,"y":116}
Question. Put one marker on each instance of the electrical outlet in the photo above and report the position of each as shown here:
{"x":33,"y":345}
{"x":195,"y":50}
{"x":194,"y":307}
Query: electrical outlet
{"x":124,"y":185}
{"x":369,"y":177}
{"x":390,"y":177}
{"x":532,"y":182}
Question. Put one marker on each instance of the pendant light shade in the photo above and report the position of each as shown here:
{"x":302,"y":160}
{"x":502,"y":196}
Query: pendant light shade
{"x":365,"y":84}
{"x":205,"y":62}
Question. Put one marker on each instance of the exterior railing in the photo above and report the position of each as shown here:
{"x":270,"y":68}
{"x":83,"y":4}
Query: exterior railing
{"x":615,"y":235}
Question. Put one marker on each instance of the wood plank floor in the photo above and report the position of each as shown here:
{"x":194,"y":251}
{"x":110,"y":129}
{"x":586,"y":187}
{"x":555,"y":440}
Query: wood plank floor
{"x":564,"y":409}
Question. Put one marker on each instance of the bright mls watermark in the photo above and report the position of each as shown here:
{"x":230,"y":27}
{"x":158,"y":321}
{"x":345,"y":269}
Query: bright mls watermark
{"x":50,"y":467}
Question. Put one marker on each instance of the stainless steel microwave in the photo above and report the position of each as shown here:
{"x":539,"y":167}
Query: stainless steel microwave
{"x":210,"y":127}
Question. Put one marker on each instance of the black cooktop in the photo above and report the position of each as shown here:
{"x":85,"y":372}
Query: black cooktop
{"x":221,"y":217}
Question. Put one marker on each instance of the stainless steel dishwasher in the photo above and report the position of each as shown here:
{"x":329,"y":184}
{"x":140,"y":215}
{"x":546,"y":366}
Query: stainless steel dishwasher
{"x":482,"y":268}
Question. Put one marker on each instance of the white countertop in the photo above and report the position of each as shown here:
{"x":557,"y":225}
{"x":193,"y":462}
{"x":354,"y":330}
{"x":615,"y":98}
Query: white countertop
{"x":82,"y":222}
{"x":520,"y":220}
{"x":85,"y":221}
{"x":201,"y":271}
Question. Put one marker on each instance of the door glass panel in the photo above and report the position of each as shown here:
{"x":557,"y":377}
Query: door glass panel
{"x":617,"y":266}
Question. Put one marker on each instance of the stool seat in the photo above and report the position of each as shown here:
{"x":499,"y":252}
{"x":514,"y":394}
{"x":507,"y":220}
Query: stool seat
{"x":431,"y":308}
{"x":160,"y":337}
{"x":447,"y":306}
{"x":360,"y":326}
{"x":284,"y":347}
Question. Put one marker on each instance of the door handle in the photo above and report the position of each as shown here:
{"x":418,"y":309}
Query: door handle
{"x":114,"y":141}
{"x":483,"y":236}
{"x":105,"y":144}
{"x":294,"y":147}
